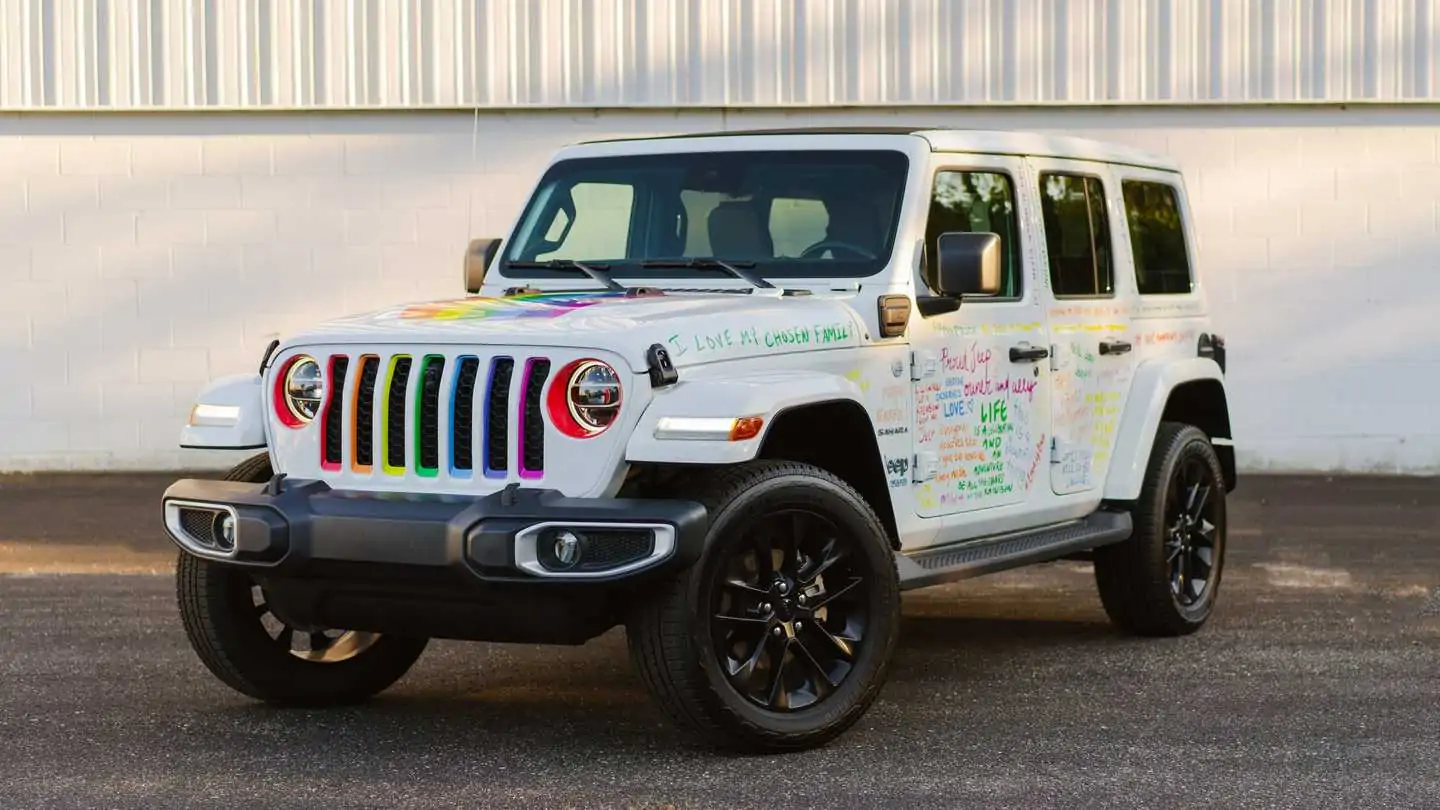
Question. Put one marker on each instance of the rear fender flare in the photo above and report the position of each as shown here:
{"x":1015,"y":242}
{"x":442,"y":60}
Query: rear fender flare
{"x":1150,"y":392}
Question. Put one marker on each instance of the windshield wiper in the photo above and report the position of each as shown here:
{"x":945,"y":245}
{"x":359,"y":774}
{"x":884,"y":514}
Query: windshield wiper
{"x":698,"y":263}
{"x":595,"y":271}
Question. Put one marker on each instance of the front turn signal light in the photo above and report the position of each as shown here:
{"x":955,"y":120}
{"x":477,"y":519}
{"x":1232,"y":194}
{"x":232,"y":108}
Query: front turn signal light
{"x":746,"y":427}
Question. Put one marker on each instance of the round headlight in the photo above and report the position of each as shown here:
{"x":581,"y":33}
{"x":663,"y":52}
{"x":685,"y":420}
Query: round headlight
{"x":595,"y":395}
{"x":304,"y":388}
{"x":585,"y":399}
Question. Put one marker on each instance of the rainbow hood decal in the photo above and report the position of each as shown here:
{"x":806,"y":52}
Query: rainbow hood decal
{"x":530,"y":305}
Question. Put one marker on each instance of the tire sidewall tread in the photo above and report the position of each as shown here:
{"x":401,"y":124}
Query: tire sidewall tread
{"x":1133,"y":576}
{"x":231,"y":642}
{"x":669,"y":634}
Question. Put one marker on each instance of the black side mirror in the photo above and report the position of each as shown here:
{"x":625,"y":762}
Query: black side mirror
{"x":965,"y":264}
{"x":478,"y":256}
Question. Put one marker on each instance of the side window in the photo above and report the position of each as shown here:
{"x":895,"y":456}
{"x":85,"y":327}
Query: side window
{"x":1077,"y":235}
{"x":977,"y":202}
{"x":597,"y":226}
{"x":1157,"y":238}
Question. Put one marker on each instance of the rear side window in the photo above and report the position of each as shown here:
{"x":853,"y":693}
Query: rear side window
{"x":1157,"y":237}
{"x":977,"y":202}
{"x":1077,"y":235}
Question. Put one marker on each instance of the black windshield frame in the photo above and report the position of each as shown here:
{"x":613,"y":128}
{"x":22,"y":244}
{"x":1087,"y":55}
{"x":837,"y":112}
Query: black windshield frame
{"x":871,"y":183}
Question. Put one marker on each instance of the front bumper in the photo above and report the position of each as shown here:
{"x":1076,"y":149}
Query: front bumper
{"x":303,"y":529}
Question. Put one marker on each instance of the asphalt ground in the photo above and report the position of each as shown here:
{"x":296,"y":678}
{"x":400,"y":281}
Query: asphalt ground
{"x":1316,"y":684}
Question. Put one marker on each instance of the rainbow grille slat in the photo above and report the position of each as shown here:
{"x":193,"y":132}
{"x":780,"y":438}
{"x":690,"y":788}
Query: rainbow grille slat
{"x":526,"y":305}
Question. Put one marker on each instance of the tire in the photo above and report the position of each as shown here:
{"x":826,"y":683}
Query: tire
{"x":1137,"y":578}
{"x":225,"y":627}
{"x":681,"y":652}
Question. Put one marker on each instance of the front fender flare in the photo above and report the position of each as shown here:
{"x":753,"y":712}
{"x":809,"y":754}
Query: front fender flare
{"x":227,"y":415}
{"x":762,"y":394}
{"x":1149,"y":393}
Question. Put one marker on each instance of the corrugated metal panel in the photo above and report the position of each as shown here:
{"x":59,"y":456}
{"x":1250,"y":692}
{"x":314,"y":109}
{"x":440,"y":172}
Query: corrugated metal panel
{"x":180,"y":54}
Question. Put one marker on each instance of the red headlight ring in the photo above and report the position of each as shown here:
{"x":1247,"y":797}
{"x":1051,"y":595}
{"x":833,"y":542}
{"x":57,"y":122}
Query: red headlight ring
{"x":557,"y":401}
{"x":279,"y":403}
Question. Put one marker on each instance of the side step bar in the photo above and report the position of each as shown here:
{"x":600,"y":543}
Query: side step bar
{"x":987,"y":555}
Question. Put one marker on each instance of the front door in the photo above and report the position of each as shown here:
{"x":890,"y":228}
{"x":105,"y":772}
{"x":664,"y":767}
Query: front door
{"x":980,"y":373}
{"x":1089,"y":317}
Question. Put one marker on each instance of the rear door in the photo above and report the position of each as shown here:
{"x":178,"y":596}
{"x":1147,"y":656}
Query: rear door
{"x":1088,"y":310}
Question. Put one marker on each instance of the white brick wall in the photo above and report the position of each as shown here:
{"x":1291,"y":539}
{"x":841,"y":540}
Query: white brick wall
{"x":141,"y":256}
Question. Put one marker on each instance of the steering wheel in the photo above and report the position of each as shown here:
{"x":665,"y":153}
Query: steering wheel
{"x":831,"y":244}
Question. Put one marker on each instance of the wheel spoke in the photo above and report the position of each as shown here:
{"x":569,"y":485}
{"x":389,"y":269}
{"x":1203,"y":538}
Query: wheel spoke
{"x":843,"y":645}
{"x":1197,"y":587}
{"x":814,"y":663}
{"x":777,"y":682}
{"x":1206,"y":530}
{"x":286,"y":639}
{"x":745,"y":670}
{"x":1201,"y":498}
{"x":319,"y":641}
{"x":740,"y":585}
{"x":832,"y":554}
{"x":1206,"y":557}
{"x":831,"y":596}
{"x":789,"y":554}
{"x":746,"y":620}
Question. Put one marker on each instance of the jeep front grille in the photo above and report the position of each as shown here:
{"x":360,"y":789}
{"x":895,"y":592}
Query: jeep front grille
{"x":532,"y":419}
{"x":334,"y":425}
{"x":427,"y":433}
{"x":497,"y":417}
{"x":434,"y":414}
{"x":364,"y":413}
{"x":462,"y":409}
{"x":394,"y":413}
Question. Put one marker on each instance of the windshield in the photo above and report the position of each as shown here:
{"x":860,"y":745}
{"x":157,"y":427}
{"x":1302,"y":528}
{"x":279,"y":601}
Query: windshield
{"x":789,"y":214}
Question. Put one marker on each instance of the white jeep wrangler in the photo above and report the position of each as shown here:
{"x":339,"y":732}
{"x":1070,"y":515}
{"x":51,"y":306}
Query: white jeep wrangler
{"x":735,"y":392}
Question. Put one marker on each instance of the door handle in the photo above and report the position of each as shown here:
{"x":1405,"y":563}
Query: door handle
{"x":1028,"y":354}
{"x":1114,"y":346}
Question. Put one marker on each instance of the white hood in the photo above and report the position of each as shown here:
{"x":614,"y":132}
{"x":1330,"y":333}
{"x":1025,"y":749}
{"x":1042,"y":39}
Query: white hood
{"x":694,"y":327}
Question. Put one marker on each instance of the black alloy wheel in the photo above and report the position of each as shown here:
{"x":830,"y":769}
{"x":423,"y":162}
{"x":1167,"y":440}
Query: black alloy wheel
{"x":789,"y":610}
{"x":1191,"y":531}
{"x":1164,"y":580}
{"x":780,"y":636}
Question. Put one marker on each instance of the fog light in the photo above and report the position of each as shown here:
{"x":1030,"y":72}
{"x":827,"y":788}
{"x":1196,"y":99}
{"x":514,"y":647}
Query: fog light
{"x":591,"y":550}
{"x":560,"y":549}
{"x":225,"y":531}
{"x":567,"y":549}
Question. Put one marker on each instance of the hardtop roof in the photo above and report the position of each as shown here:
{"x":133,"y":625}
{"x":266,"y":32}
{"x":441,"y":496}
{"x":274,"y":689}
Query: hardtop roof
{"x":992,"y":141}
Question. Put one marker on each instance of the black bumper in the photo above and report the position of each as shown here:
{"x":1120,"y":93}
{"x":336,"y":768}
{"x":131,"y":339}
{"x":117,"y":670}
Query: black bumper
{"x":303,"y":529}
